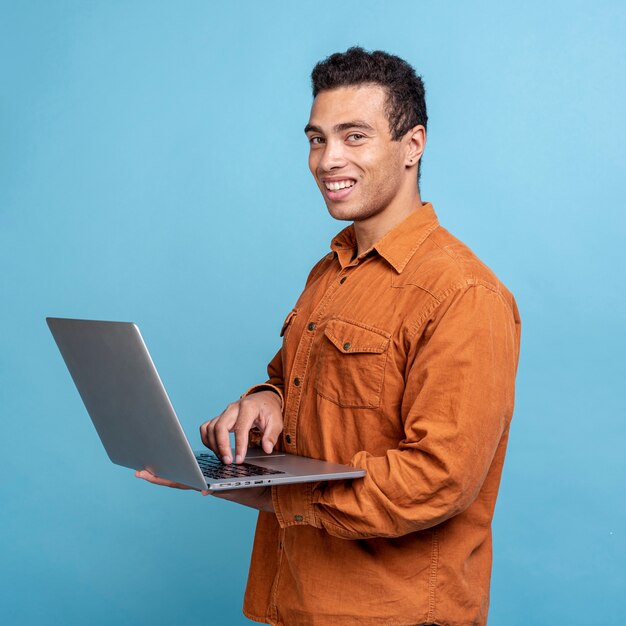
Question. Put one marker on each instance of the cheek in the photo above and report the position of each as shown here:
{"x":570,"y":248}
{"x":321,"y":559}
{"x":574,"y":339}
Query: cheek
{"x":376,"y":165}
{"x":313,"y":162}
{"x":390,"y":167}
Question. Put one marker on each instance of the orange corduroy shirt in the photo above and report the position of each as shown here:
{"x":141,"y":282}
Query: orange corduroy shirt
{"x":400,"y":361}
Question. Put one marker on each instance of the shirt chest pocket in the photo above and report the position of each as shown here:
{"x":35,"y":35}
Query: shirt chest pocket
{"x":351,"y":364}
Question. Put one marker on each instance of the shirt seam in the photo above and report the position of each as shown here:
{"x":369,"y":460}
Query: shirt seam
{"x":405,"y":285}
{"x":272,"y":609}
{"x":432,"y":579}
{"x":448,"y":253}
{"x":378,"y":331}
{"x":306,"y":501}
{"x":350,"y":534}
{"x":468,"y":284}
{"x":261,"y":619}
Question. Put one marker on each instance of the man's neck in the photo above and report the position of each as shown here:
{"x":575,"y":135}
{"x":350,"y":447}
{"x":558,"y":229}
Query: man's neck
{"x":371,"y":230}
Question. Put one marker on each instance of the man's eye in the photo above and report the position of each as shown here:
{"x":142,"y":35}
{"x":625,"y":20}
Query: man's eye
{"x":314,"y":141}
{"x":356,"y":137}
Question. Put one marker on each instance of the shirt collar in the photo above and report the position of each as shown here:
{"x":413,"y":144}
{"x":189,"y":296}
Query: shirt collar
{"x":398,"y":245}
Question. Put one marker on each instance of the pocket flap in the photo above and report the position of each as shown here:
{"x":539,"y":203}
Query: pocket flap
{"x":288,"y":320}
{"x":352,"y":337}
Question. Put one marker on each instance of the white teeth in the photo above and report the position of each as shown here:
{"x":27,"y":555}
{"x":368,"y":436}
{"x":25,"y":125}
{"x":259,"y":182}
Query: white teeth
{"x":337,"y":185}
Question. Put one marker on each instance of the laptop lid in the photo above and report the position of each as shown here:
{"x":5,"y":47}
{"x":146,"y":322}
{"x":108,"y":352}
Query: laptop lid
{"x":129,"y":406}
{"x":125,"y":398}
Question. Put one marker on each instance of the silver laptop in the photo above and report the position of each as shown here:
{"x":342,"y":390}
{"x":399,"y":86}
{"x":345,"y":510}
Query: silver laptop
{"x":128,"y":404}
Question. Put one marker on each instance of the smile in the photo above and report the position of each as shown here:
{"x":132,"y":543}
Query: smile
{"x":336,"y":185}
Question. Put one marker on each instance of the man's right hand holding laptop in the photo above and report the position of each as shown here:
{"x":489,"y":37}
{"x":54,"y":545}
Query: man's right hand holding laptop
{"x":260,"y":411}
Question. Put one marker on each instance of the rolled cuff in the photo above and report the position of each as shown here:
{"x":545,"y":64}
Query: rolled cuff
{"x":256,"y":436}
{"x":266,"y":387}
{"x":293,"y":505}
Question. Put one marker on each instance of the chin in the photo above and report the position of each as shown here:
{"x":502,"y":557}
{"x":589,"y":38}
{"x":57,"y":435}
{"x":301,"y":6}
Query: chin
{"x":351,"y":214}
{"x":341,"y":213}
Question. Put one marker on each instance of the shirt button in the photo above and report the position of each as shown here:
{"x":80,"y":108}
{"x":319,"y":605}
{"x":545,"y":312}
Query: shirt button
{"x":296,"y":382}
{"x":298,"y":518}
{"x":288,"y":438}
{"x":343,"y":280}
{"x":346,"y":346}
{"x":311,"y":326}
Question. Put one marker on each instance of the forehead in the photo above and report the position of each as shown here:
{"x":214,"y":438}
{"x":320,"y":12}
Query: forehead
{"x":344,"y":104}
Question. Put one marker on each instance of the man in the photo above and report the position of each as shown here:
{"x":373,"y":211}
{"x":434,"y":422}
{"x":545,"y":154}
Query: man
{"x":399,"y":357}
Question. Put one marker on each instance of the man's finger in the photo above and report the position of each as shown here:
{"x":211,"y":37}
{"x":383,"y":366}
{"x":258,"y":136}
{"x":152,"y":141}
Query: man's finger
{"x":248,"y":414}
{"x":207,"y":434}
{"x":204,"y":433}
{"x":157,"y":480}
{"x":271,"y":434}
{"x":211,"y":442}
{"x":223,"y":426}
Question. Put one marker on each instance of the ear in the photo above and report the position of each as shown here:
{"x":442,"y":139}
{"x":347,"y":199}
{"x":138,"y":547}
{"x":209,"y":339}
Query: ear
{"x":416,"y":142}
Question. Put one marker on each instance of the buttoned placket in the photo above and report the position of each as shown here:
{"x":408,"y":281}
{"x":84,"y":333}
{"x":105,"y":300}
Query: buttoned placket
{"x":294,"y":396}
{"x":300,"y":374}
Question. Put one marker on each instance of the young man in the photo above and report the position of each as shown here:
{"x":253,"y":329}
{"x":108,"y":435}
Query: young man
{"x":399,"y":357}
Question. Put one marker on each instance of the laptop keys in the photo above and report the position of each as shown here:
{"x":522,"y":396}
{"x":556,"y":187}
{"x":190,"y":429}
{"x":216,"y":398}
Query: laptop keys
{"x":213,"y":468}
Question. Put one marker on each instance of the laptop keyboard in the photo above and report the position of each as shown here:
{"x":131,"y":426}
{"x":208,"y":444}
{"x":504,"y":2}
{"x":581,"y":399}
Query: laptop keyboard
{"x":212,"y":467}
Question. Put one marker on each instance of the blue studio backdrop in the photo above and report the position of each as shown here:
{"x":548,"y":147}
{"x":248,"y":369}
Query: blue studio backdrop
{"x":153,"y":169}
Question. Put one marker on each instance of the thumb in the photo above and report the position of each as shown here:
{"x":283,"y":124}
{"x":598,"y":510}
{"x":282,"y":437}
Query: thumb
{"x":269,"y":441}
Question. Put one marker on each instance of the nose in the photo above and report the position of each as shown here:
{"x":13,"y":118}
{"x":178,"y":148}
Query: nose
{"x":333,"y":156}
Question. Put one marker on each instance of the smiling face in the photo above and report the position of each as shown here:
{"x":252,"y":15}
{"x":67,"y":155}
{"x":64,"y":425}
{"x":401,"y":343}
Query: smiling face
{"x":360,"y":170}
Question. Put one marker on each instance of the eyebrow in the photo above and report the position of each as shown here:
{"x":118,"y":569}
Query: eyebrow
{"x":338,"y":128}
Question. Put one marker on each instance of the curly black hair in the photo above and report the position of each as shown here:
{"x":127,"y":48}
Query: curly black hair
{"x":406,"y":96}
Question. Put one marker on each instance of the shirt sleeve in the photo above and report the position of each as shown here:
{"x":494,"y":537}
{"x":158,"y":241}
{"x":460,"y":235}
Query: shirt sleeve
{"x":456,"y":409}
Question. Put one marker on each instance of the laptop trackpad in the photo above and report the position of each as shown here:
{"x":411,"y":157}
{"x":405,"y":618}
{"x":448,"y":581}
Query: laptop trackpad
{"x":256,"y":454}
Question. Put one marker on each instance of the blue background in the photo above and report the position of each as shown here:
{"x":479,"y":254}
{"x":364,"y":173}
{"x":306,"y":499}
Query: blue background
{"x":153,"y":169}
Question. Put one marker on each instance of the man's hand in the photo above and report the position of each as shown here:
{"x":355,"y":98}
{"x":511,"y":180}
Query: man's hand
{"x":259,"y":498}
{"x":261,"y":411}
{"x":156,"y":480}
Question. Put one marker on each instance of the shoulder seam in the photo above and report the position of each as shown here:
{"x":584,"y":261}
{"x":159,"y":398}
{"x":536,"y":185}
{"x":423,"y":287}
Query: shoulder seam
{"x":467,"y":284}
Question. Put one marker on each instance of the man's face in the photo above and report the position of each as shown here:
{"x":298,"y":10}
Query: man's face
{"x":357,"y":166}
